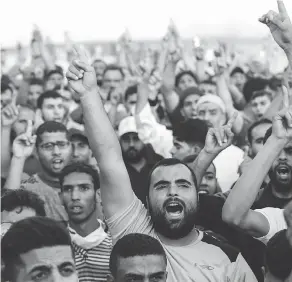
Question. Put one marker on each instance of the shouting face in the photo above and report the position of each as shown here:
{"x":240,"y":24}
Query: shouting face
{"x":173,"y":200}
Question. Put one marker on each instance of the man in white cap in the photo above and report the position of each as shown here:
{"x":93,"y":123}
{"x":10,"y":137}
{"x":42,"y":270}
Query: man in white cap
{"x":212,"y":110}
{"x":139,"y":158}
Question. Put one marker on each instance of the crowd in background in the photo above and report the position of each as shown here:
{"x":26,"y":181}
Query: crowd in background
{"x":171,"y":165}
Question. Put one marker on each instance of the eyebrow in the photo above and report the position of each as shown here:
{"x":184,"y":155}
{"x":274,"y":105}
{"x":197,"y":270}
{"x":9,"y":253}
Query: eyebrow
{"x":181,"y":181}
{"x":160,"y":183}
{"x":160,"y":273}
{"x":40,"y":268}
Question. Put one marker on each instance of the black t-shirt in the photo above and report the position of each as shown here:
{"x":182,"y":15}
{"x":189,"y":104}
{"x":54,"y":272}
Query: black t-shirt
{"x":268,"y":199}
{"x":210,"y":218}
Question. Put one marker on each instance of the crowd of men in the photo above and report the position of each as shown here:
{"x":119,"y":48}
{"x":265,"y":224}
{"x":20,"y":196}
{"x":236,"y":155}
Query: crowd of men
{"x":166,"y":169}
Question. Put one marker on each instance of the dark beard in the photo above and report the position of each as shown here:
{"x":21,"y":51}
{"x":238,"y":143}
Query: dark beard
{"x":133,"y":157}
{"x":280,"y":187}
{"x":177,"y":230}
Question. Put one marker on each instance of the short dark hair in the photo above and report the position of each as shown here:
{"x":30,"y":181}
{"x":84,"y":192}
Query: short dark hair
{"x":5,"y":86}
{"x":99,"y":61}
{"x":252,"y":85}
{"x":261,"y":93}
{"x":171,"y":162}
{"x":36,"y":81}
{"x":275,"y":83}
{"x":81,"y":168}
{"x":278,"y":255}
{"x":50,"y":126}
{"x":133,"y":245}
{"x":181,"y":74}
{"x":131,"y":90}
{"x":114,"y":68}
{"x":13,"y":199}
{"x":27,"y":235}
{"x":47,"y":95}
{"x":268,"y":134}
{"x":55,"y":71}
{"x":237,"y":70}
{"x":192,"y":131}
{"x":254,"y":125}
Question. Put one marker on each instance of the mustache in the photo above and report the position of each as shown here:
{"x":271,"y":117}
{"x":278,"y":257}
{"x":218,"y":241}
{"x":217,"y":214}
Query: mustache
{"x":173,"y":199}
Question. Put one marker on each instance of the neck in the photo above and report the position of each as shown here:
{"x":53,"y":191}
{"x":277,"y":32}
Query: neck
{"x":48,"y":178}
{"x":185,"y":241}
{"x":281,"y":195}
{"x":139,"y":165}
{"x":87,"y":227}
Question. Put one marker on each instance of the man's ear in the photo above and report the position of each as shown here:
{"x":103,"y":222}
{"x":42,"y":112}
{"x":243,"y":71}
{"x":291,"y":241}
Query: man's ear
{"x":98,"y":196}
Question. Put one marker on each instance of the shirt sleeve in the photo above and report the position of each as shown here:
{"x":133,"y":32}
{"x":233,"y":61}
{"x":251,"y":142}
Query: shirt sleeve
{"x":154,"y":133}
{"x":135,"y":219}
{"x":276,"y":221}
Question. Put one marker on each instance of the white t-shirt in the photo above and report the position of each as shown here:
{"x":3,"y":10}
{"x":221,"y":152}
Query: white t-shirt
{"x":227,"y":164}
{"x":276,"y":221}
{"x":202,"y":260}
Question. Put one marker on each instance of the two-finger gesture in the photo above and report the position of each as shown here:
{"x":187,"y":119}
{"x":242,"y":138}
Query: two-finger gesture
{"x":280,"y":26}
{"x":220,"y":138}
{"x":24,"y":144}
{"x":282,"y":122}
{"x":9,"y":113}
{"x":81,"y":75}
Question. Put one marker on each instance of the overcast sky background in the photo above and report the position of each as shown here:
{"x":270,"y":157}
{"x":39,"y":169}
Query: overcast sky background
{"x":145,"y":19}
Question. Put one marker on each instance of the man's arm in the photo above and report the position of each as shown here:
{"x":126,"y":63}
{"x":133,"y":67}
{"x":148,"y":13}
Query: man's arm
{"x":116,"y":190}
{"x":237,"y":208}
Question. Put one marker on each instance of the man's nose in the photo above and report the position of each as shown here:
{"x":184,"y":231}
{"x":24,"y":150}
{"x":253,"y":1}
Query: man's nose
{"x":172,"y":190}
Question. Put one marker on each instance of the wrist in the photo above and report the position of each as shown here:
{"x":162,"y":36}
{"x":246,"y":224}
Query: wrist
{"x":277,"y":142}
{"x":19,"y":158}
{"x":208,"y":153}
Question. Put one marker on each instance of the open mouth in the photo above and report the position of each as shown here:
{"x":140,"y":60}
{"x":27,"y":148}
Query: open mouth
{"x":76,"y":209}
{"x":174,"y":209}
{"x":57,"y":164}
{"x":204,"y":192}
{"x":283,"y":172}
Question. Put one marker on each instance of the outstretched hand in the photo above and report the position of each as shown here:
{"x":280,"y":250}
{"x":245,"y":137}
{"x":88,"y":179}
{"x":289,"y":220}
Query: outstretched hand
{"x":9,"y":113}
{"x":220,"y":138}
{"x":280,"y":26}
{"x":24,"y":144}
{"x":81,"y":75}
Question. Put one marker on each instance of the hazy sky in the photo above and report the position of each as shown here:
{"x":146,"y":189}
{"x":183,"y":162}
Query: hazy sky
{"x":107,"y":19}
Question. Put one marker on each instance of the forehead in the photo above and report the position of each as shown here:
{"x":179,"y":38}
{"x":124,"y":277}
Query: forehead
{"x":79,"y":139}
{"x":53,"y":101}
{"x":54,"y":136}
{"x":208,"y":106}
{"x":47,"y":256}
{"x":192,"y":97}
{"x":77,"y":178}
{"x":260,"y":130}
{"x":171,"y":173}
{"x":129,"y":135}
{"x":141,"y":265}
{"x":113,"y":74}
{"x":26,"y":113}
{"x":260,"y":99}
{"x":17,"y":214}
{"x":211,"y":169}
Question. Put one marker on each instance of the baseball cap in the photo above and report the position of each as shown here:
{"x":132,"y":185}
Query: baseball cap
{"x":127,"y":125}
{"x":279,"y":255}
{"x":209,"y":98}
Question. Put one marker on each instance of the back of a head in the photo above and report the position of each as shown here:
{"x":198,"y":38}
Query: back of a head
{"x":30,"y":234}
{"x":192,"y":131}
{"x":19,"y":198}
{"x":279,"y":256}
{"x":50,"y":126}
{"x":133,"y":245}
{"x":81,"y":168}
{"x":47,"y":95}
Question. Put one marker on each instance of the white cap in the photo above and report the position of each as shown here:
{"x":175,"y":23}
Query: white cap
{"x":210,"y":98}
{"x":127,"y":125}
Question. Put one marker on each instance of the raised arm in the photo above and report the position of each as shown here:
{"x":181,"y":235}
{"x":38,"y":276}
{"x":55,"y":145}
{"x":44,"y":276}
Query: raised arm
{"x":116,"y":191}
{"x":217,"y":140}
{"x":281,"y":28}
{"x":237,"y":208}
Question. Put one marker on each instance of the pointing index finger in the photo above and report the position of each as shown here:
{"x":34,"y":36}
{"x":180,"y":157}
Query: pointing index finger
{"x":282,"y":9}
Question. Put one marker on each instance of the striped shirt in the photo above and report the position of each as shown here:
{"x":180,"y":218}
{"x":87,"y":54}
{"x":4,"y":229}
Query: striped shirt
{"x":93,"y":264}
